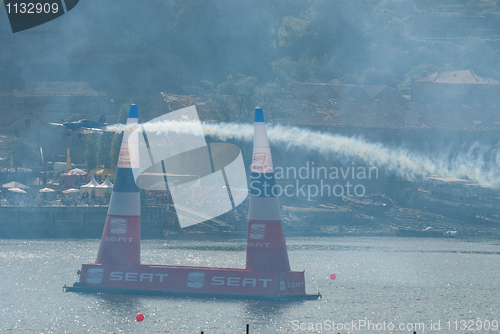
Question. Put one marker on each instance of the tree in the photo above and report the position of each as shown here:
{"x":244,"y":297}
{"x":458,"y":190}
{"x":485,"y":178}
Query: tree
{"x":104,"y":149}
{"x":233,"y":97}
{"x":91,"y":150}
{"x":239,"y":39}
{"x":374,"y":76}
{"x":237,"y":97}
{"x":474,"y":53}
{"x":418,"y":72}
{"x":22,"y":153}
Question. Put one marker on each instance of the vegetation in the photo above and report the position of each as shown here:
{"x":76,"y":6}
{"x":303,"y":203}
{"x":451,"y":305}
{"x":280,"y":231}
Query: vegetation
{"x":90,"y":154}
{"x":248,"y":53}
{"x":22,"y":153}
{"x":170,"y":45}
{"x":102,"y":149}
{"x":355,"y":42}
{"x":237,"y":97}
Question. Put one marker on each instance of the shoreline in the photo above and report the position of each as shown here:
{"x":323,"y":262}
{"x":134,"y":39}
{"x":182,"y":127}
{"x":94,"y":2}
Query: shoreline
{"x":412,"y":234}
{"x":86,"y":222}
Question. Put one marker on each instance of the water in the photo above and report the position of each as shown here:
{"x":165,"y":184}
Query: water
{"x":410,"y":281}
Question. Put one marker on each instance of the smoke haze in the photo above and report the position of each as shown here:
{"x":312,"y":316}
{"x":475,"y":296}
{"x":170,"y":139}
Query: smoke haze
{"x":135,"y":47}
{"x":471,"y":164}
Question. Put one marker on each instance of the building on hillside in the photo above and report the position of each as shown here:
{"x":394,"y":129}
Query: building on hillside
{"x":3,"y":145}
{"x":381,"y":119}
{"x":455,"y":27}
{"x":35,"y":129}
{"x":439,"y":127}
{"x":380,"y":115}
{"x":27,"y":114}
{"x":318,"y":91}
{"x":460,"y":86}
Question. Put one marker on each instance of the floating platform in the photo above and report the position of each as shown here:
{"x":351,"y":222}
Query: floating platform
{"x":205,"y":282}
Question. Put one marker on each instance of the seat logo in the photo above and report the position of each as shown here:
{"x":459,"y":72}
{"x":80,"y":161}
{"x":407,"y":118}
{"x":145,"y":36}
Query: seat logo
{"x":257,"y":231}
{"x":94,"y":275}
{"x":196,"y":280}
{"x":125,"y":154}
{"x":118,"y":226}
{"x":259,"y":158}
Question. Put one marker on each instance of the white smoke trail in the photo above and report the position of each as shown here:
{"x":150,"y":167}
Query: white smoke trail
{"x":411,"y":166}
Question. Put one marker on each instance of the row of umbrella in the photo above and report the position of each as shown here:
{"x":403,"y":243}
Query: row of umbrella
{"x":67,"y":191}
{"x":101,"y":172}
{"x":44,"y":190}
{"x":18,"y":187}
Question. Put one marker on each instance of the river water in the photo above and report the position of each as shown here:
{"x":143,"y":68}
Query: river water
{"x":383,"y":285}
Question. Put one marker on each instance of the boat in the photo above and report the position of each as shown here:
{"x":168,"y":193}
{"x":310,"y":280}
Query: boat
{"x":457,"y":197}
{"x":427,"y":232}
{"x":266,"y":276}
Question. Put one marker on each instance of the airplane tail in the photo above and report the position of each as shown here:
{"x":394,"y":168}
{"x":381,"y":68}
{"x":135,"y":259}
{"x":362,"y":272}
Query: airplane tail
{"x":102,"y":120}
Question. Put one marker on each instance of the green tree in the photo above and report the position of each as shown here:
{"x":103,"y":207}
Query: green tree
{"x":91,"y":150}
{"x":418,"y":72}
{"x":104,"y":148}
{"x":22,"y":153}
{"x":237,"y":97}
{"x":374,"y":76}
{"x":474,"y":53}
{"x":233,"y":97}
{"x":280,"y":15}
{"x":471,"y":8}
{"x":217,"y":37}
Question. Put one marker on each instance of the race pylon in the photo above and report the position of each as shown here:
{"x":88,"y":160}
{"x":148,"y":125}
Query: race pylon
{"x":121,"y":238}
{"x":266,"y":246}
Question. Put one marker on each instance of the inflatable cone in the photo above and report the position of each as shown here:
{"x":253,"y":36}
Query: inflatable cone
{"x":120,"y":242}
{"x":266,"y":246}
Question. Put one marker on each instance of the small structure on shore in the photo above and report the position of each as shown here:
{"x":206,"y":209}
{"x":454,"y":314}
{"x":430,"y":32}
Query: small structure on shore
{"x":90,"y":187}
{"x":104,"y":188}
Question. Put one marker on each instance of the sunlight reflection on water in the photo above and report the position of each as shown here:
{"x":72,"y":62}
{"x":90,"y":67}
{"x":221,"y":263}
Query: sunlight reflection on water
{"x":378,"y":279}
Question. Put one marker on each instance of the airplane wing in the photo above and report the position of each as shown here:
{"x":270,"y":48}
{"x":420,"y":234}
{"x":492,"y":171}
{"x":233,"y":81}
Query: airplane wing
{"x":94,"y":130}
{"x":56,"y":124}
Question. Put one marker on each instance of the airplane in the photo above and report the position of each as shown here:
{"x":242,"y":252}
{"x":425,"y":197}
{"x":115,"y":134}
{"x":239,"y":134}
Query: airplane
{"x":84,"y":125}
